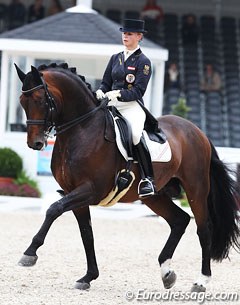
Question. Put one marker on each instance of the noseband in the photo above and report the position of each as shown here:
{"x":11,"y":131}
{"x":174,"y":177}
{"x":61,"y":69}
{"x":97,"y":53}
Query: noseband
{"x":48,"y":122}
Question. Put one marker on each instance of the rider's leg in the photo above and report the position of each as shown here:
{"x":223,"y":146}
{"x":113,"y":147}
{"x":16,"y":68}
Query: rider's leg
{"x":136,"y":117}
{"x":146,"y":185}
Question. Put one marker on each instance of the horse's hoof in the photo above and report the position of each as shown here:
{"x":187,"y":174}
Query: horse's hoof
{"x":198,"y":288}
{"x":82,"y":285}
{"x":169,"y":279}
{"x":28,"y":261}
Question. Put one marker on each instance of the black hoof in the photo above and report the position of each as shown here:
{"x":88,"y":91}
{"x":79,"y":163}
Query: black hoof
{"x":198,"y":288}
{"x":82,"y":285}
{"x":28,"y":261}
{"x":169,"y":279}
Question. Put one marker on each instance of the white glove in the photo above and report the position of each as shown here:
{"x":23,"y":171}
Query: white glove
{"x":113,"y":94}
{"x":100,"y":94}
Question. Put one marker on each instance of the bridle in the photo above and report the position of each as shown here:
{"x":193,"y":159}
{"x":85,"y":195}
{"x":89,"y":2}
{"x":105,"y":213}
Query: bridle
{"x":49,"y":122}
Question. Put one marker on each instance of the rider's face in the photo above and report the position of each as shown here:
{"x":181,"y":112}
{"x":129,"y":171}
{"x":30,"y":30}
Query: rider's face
{"x":130,"y":40}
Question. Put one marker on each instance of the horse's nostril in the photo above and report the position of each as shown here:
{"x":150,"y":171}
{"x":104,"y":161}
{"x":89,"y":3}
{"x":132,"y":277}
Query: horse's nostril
{"x":38,"y":145}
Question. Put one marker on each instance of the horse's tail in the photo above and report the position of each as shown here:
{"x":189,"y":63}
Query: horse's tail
{"x":223,"y":208}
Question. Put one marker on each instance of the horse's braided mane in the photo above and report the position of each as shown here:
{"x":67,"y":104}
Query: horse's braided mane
{"x":67,"y":68}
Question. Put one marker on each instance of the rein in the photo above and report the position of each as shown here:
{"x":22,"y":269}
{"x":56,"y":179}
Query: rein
{"x":64,"y":127}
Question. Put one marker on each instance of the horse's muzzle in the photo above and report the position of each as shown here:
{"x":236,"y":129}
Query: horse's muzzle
{"x":38,"y":145}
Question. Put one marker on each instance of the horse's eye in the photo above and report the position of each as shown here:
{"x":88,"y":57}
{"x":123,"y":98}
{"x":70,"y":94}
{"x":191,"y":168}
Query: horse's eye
{"x":41,"y":102}
{"x":38,"y":98}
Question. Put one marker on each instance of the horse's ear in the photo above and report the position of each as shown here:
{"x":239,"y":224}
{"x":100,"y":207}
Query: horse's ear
{"x":20,"y":73}
{"x":36,"y":74}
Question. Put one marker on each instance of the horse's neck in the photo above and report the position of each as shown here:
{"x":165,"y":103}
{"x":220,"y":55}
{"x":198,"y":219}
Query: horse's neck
{"x":75,"y":100}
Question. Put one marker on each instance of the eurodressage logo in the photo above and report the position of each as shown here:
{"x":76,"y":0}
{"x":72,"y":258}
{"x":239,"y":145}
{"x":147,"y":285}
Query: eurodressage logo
{"x":199,"y":297}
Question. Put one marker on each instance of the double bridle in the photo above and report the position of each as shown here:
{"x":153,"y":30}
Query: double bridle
{"x":49,"y":122}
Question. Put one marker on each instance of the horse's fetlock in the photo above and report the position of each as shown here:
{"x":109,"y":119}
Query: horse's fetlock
{"x":37,"y":242}
{"x":93,"y":274}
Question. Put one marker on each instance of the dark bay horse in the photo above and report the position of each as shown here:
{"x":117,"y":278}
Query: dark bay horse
{"x":85,"y":164}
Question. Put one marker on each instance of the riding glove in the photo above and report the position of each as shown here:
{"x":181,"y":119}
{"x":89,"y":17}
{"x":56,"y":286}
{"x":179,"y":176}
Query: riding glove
{"x":113,"y":94}
{"x":100,"y":94}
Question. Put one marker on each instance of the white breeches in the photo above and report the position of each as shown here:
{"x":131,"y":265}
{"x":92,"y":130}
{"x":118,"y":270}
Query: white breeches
{"x":135,"y":116}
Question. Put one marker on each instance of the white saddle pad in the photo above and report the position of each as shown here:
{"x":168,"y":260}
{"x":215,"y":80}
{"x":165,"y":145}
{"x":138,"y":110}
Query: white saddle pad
{"x":159,"y":152}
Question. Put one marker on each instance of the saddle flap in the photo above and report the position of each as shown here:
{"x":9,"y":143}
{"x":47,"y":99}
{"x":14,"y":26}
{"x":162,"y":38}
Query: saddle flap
{"x":124,"y":130}
{"x":109,"y":131}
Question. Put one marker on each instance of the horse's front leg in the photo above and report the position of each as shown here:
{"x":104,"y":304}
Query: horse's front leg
{"x":84,"y":221}
{"x":81,"y":196}
{"x":30,"y":257}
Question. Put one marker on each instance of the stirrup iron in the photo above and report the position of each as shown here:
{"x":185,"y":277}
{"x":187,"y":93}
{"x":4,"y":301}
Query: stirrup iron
{"x":146,"y":188}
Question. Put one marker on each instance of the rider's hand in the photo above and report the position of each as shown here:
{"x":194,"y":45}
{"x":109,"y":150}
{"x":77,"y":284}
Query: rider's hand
{"x":113,"y":94}
{"x":100,"y":94}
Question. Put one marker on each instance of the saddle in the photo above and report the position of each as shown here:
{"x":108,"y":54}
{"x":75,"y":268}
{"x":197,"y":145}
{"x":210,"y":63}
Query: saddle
{"x":154,"y":133}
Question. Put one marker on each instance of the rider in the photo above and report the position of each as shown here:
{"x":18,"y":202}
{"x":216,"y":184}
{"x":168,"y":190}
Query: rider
{"x":124,"y":83}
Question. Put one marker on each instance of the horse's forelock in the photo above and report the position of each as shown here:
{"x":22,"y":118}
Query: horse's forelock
{"x":30,"y":82}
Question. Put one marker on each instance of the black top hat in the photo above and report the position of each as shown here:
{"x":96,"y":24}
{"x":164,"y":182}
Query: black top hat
{"x":133,"y":25}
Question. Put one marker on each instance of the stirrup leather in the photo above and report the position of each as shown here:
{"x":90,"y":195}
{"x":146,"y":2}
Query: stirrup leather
{"x":146,"y":188}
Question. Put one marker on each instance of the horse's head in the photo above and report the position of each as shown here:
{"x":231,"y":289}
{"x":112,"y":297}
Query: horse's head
{"x":39,"y":107}
{"x":54,"y":96}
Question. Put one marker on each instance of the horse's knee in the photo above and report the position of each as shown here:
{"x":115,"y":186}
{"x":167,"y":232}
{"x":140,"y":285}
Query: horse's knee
{"x":54,"y":211}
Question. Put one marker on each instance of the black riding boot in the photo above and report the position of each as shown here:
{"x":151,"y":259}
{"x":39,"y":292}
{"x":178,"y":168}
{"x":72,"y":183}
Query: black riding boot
{"x":146,"y":185}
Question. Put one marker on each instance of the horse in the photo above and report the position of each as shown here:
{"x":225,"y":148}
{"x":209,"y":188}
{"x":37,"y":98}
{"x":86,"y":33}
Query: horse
{"x":85,"y":162}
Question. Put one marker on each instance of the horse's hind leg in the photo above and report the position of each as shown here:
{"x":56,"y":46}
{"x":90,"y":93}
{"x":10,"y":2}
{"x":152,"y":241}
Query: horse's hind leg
{"x":197,"y":199}
{"x":84,"y":221}
{"x":178,"y":220}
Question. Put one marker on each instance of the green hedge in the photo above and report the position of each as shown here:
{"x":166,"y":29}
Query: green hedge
{"x":11,"y":163}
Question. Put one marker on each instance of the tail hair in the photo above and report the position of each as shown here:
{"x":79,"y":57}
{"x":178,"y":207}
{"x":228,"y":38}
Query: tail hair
{"x":223,"y":201}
